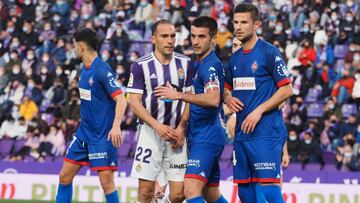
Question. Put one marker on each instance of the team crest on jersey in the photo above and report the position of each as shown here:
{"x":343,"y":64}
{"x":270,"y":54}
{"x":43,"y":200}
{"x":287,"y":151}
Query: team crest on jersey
{"x":282,"y":70}
{"x":138,"y":167}
{"x":91,"y":81}
{"x":180,"y":73}
{"x":254,"y":67}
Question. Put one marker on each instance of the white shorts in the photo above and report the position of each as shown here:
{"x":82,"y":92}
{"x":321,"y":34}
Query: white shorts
{"x":154,"y":154}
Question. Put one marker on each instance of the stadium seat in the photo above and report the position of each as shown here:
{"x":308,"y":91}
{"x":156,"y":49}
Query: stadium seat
{"x":5,"y":146}
{"x":348,"y":109}
{"x":294,"y":167}
{"x":330,"y":168}
{"x":315,"y":110}
{"x":328,"y":157}
{"x":312,"y":95}
{"x":313,"y":167}
{"x":19,"y":144}
{"x":340,"y":50}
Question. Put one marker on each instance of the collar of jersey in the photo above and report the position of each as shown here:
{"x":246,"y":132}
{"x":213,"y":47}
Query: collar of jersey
{"x":88,"y":67}
{"x":206,"y":58}
{"x":249,"y":50}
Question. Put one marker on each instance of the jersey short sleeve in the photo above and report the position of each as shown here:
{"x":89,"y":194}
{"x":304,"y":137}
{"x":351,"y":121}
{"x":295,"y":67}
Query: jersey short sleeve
{"x":210,"y":77}
{"x":189,"y":76}
{"x":136,"y":81}
{"x":106,"y":77}
{"x":277,"y":67}
{"x":228,"y":76}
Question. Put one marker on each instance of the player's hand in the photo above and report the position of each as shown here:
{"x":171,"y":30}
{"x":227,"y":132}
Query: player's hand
{"x":250,"y":122}
{"x":159,"y":192}
{"x":115,"y":136}
{"x":166,"y":92}
{"x":285,"y":160}
{"x":180,"y":138}
{"x":166,"y":132}
{"x":234,"y":104}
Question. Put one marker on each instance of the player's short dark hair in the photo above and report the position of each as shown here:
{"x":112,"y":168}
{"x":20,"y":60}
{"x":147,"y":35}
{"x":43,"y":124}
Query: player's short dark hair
{"x":88,"y":36}
{"x":248,"y":8}
{"x":206,"y":22}
{"x":157,"y":23}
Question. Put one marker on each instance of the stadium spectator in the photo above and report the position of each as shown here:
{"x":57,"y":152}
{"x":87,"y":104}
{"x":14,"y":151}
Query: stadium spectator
{"x":309,"y":150}
{"x":28,"y":108}
{"x":293,"y":145}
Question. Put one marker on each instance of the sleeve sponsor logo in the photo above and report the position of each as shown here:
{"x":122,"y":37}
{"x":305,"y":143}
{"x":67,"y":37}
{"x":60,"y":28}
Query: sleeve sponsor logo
{"x":85,"y":94}
{"x":282,"y":70}
{"x":131,"y":80}
{"x":114,"y":83}
{"x":244,"y":83}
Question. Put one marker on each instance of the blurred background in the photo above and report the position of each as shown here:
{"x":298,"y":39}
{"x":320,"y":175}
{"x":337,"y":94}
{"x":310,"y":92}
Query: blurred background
{"x":39,"y":99}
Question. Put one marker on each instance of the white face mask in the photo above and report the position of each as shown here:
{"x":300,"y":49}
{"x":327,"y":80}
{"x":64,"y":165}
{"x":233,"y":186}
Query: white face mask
{"x":58,"y":71}
{"x":307,"y":141}
{"x":349,"y":18}
{"x":349,"y":3}
{"x":105,"y":57}
{"x":27,"y":2}
{"x":119,"y":58}
{"x":292,"y":137}
{"x":45,"y":58}
{"x":16,"y":71}
{"x":348,"y":154}
{"x":30,"y":57}
{"x":133,"y":58}
{"x":331,"y":106}
{"x":333,"y":17}
{"x":278,"y":28}
{"x":333,"y":6}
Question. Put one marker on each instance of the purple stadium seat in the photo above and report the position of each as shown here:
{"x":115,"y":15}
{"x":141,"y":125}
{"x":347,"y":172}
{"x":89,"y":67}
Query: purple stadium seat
{"x":315,"y":110}
{"x":312,"y":167}
{"x":312,"y":95}
{"x":340,"y":50}
{"x":328,"y":157}
{"x":330,"y":168}
{"x":124,"y":150}
{"x":227,"y":153}
{"x":5,"y":146}
{"x":19,"y":144}
{"x":294,"y":167}
{"x":29,"y":158}
{"x":348,"y":109}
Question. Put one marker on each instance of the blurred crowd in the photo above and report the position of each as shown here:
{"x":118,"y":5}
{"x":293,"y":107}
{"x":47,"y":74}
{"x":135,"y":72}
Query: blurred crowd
{"x":39,"y":100}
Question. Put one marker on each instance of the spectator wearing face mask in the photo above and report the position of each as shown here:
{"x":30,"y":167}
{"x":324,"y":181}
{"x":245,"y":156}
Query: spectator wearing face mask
{"x":343,"y":87}
{"x":307,"y":55}
{"x":348,"y":25}
{"x":28,"y":9}
{"x":223,"y":36}
{"x":309,"y":150}
{"x":293,"y":145}
{"x":61,"y":7}
{"x":28,"y":36}
{"x":28,"y":108}
{"x":29,"y":61}
{"x":345,"y":159}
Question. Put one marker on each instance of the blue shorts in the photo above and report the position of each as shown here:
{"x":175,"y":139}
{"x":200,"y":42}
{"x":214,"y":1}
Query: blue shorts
{"x":258,"y":160}
{"x":203,"y":163}
{"x":101,"y":156}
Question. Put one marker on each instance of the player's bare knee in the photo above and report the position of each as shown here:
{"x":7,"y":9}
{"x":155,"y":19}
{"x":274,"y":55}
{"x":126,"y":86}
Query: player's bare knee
{"x":107,"y":183}
{"x":177,"y":196}
{"x":146,"y":194}
{"x":64,"y":178}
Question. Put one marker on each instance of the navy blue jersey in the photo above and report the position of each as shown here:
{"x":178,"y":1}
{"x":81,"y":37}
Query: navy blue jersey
{"x":205,"y":124}
{"x":254,"y":76}
{"x":97,"y":87}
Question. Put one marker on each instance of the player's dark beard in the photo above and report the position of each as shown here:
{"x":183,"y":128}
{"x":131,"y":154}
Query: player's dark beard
{"x":246,"y":38}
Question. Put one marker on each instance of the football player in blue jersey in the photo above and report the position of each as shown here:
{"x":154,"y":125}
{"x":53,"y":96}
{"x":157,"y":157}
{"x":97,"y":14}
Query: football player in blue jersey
{"x":206,"y":133}
{"x":259,"y":82}
{"x":101,"y":111}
